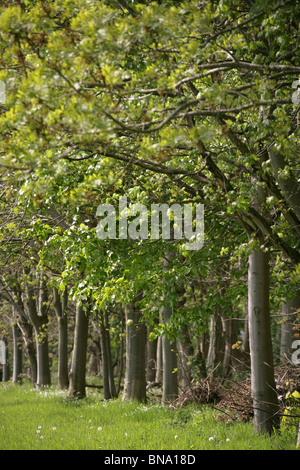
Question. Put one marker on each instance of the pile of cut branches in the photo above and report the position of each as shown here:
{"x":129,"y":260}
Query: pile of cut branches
{"x":234,"y":400}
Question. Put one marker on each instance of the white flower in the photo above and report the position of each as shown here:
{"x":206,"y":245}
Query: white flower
{"x":54,"y":428}
{"x":38,"y":431}
{"x":176,"y":437}
{"x":99,"y":429}
{"x":211,"y":438}
{"x":227,"y":440}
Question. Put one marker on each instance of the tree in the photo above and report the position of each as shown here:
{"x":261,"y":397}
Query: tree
{"x":173,"y":101}
{"x":79,"y":354}
{"x":135,"y":375}
{"x":60,"y":306}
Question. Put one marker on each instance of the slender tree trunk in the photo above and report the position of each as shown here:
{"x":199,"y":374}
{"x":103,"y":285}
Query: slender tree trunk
{"x":105,"y":377}
{"x":215,"y":354}
{"x":110,"y":368}
{"x":151,"y":352}
{"x":185,"y":351}
{"x":6,"y":371}
{"x":26,"y":329}
{"x":18,"y":354}
{"x":41,"y":330}
{"x":63,"y":372}
{"x":289,"y":314}
{"x":37,"y":312}
{"x":43,"y":373}
{"x":135,"y":375}
{"x":122,"y":348}
{"x":263,"y":387}
{"x":199,"y":356}
{"x":79,"y":355}
{"x":159,"y":362}
{"x":246,"y":346}
{"x":60,"y":305}
{"x":169,"y":356}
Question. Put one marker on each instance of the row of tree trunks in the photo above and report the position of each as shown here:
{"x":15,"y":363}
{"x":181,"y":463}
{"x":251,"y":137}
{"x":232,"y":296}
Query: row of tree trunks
{"x":162,"y":355}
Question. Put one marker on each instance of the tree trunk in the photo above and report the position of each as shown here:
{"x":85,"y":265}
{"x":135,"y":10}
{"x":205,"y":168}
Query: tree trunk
{"x":264,"y":395}
{"x":215,"y":354}
{"x":78,"y":364}
{"x":289,"y":313}
{"x":37,"y":312}
{"x":159,"y":362}
{"x":18,"y":355}
{"x":151,"y":352}
{"x":60,"y":304}
{"x":107,"y":367}
{"x":169,"y":356}
{"x":185,"y":351}
{"x":26,"y":329}
{"x":135,"y":375}
{"x":110,"y":368}
{"x":105,"y":378}
{"x":43,"y":372}
{"x":6,"y":371}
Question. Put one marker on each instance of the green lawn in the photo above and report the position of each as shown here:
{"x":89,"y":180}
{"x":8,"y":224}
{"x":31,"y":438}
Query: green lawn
{"x":49,"y":420}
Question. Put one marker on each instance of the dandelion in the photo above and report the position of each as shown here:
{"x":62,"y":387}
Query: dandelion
{"x":41,"y":437}
{"x":38,"y":431}
{"x":99,"y":429}
{"x":227,"y":440}
{"x":126,"y":434}
{"x":211,"y":438}
{"x":176,"y":437}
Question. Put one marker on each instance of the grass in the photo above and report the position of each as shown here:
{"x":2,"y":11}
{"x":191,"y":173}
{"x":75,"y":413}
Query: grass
{"x":49,"y":420}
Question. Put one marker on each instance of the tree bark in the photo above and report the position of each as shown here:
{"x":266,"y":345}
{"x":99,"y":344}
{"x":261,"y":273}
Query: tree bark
{"x":110,"y":370}
{"x":151,"y":353}
{"x":37,"y":312}
{"x":109,"y":388}
{"x":263,"y":386}
{"x":185,"y":351}
{"x":78,"y":364}
{"x":60,"y":305}
{"x":135,"y":375}
{"x":6,"y":370}
{"x":159,"y":362}
{"x":215,"y":356}
{"x":18,"y":355}
{"x":169,"y":357}
{"x":105,"y":378}
{"x":27,"y":333}
{"x":289,"y":313}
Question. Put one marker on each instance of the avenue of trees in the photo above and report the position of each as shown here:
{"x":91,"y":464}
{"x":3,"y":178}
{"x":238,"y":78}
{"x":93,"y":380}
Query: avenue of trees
{"x":171,"y":102}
